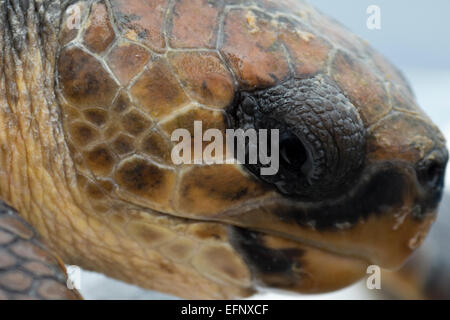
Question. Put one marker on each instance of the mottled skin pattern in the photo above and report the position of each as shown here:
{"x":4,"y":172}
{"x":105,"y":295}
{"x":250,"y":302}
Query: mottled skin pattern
{"x":90,"y":103}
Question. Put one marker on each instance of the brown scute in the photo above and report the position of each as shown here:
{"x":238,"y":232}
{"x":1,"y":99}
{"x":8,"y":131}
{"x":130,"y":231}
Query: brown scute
{"x":99,"y":34}
{"x":82,"y":134}
{"x":308,"y":52}
{"x":112,"y":131}
{"x":145,"y":180}
{"x":122,"y":102}
{"x":100,"y":160}
{"x":411,"y":141}
{"x":205,"y":77}
{"x":97,"y":117}
{"x":155,"y":145}
{"x":210,"y":120}
{"x":135,"y":122}
{"x":223,"y":185}
{"x":140,"y":176}
{"x":363,"y":89}
{"x":390,"y":72}
{"x":123,"y":144}
{"x":158,"y":91}
{"x":402,"y":100}
{"x":194,"y":24}
{"x":126,"y":60}
{"x":84,"y":81}
{"x":142,"y":21}
{"x":252,"y":49}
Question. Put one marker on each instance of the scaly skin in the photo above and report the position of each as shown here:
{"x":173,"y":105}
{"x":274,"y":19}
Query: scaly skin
{"x":27,"y":269}
{"x":86,"y":113}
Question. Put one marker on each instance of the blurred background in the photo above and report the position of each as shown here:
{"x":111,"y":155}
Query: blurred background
{"x":414,"y":35}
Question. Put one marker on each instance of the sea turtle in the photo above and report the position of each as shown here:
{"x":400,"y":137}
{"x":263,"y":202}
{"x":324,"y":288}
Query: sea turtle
{"x":91,"y":92}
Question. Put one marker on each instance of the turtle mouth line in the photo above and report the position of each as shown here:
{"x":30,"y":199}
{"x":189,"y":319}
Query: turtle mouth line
{"x":383,"y":186}
{"x":389,"y":196}
{"x":305,"y":243}
{"x":384,"y":190}
{"x":292,"y":265}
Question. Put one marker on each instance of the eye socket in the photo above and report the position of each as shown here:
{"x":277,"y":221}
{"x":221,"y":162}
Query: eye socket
{"x":320,"y":151}
{"x":293,"y":154}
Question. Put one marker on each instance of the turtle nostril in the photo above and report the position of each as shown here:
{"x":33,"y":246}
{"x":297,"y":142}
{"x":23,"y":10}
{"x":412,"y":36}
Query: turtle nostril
{"x":431,"y":175}
{"x":434,"y":173}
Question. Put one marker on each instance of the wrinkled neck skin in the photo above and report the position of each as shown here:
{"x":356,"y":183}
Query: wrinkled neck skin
{"x":37,"y":172}
{"x":35,"y":163}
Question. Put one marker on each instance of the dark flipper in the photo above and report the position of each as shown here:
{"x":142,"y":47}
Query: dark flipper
{"x":27,"y":269}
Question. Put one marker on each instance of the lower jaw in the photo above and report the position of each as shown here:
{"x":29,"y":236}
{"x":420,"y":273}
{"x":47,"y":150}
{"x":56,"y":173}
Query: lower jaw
{"x":288,"y":265}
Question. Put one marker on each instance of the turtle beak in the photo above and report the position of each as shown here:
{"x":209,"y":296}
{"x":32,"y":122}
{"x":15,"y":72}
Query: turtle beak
{"x":291,"y":254}
{"x":382,"y":222}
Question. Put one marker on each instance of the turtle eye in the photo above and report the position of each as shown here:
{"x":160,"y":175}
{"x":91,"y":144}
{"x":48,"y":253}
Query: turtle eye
{"x":293,"y":154}
{"x":321,"y":144}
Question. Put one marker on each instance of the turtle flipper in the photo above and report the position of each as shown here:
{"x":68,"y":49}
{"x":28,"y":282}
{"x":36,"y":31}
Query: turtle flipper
{"x":27,"y":269}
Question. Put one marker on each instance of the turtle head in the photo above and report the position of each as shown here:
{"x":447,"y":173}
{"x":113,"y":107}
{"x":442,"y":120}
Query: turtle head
{"x":346,"y":187}
{"x":361,"y":169}
{"x":364,"y":192}
{"x":350,"y":171}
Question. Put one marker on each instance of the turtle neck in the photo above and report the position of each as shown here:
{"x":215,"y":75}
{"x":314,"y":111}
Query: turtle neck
{"x":30,"y":125}
{"x":28,"y":43}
